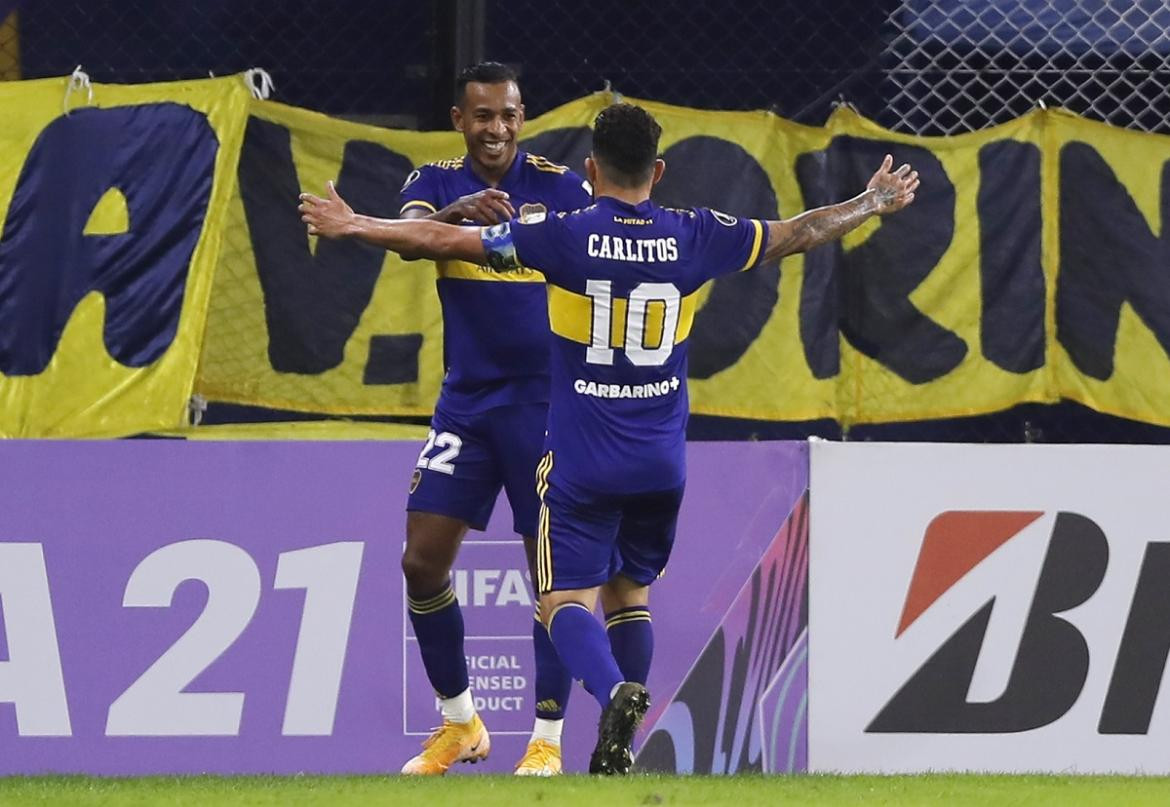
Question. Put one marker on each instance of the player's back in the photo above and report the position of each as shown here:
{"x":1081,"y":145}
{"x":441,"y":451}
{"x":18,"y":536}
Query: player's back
{"x":622,"y":290}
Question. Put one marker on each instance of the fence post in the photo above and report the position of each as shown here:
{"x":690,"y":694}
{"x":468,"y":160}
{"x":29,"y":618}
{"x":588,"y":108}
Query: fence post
{"x":459,"y":36}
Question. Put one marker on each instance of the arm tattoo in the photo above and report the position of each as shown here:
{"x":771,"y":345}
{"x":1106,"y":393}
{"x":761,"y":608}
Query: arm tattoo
{"x":823,"y":224}
{"x":886,"y":196}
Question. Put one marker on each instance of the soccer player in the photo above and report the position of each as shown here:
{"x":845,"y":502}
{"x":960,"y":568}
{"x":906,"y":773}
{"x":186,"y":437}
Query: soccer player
{"x":623,"y":277}
{"x":488,"y":426}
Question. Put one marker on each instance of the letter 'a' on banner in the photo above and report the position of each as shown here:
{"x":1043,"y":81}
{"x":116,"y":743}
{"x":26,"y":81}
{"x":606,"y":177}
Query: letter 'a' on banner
{"x":111,"y":216}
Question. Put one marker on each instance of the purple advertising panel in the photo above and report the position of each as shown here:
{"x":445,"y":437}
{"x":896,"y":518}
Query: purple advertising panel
{"x":743,"y":705}
{"x":187,"y":607}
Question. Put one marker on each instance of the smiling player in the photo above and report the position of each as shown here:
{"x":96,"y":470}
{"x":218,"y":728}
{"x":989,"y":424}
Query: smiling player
{"x":623,"y":278}
{"x":488,"y":426}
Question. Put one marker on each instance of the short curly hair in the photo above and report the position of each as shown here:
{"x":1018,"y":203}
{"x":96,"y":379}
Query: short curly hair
{"x":483,"y":73}
{"x":625,"y":144}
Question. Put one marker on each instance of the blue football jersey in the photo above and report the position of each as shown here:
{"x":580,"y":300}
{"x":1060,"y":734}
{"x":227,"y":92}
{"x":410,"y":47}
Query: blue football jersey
{"x":622,"y":282}
{"x":495,"y":326}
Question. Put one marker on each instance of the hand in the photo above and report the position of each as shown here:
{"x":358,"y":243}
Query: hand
{"x":893,"y":189}
{"x":489,"y":206}
{"x":330,"y":217}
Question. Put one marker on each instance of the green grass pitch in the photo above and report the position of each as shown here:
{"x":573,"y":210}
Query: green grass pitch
{"x":569,"y":791}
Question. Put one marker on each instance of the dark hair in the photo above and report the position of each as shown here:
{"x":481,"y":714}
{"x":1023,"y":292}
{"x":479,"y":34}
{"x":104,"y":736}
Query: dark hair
{"x":482,"y":73}
{"x":625,"y":144}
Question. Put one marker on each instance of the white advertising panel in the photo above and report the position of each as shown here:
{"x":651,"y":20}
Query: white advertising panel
{"x":996,"y":608}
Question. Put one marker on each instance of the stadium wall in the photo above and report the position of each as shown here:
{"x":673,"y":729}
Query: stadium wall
{"x":172,"y":606}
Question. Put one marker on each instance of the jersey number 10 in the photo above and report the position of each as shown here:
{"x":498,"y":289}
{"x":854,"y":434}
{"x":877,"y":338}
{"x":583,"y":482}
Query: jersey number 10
{"x":637,"y":309}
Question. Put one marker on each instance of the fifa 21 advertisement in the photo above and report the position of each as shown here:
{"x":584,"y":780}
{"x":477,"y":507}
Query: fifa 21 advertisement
{"x":174,"y":607}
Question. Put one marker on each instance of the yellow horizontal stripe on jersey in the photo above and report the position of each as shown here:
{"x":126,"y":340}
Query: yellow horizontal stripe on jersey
{"x":756,"y":242}
{"x":418,"y":203}
{"x":463,"y":270}
{"x":571,"y":317}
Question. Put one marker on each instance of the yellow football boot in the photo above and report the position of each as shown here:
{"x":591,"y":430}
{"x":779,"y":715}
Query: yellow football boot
{"x":451,"y":743}
{"x":542,"y":758}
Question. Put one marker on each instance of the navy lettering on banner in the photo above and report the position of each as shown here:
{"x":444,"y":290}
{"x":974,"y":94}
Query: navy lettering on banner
{"x":1108,"y":256}
{"x":1010,"y":273}
{"x":313,"y":302}
{"x":160,"y":158}
{"x":864,"y":293}
{"x":739,"y":305}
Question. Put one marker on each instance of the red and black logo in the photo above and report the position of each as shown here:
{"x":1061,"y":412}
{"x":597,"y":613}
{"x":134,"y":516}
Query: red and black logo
{"x":1052,"y":660}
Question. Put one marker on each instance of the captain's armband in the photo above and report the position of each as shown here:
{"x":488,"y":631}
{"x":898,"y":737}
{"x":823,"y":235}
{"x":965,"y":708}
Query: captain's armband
{"x":499,"y":248}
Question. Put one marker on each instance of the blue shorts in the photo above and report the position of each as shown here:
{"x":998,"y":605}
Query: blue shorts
{"x":585,"y":538}
{"x":468,"y":458}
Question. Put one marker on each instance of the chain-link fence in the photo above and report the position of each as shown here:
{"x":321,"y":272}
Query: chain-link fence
{"x":921,"y":66}
{"x":953,"y":66}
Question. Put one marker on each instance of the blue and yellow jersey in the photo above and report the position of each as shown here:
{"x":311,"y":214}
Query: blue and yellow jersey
{"x":495,"y":326}
{"x":622,"y":282}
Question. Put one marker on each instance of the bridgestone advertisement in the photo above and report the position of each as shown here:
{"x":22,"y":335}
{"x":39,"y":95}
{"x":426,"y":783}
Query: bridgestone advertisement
{"x":989,"y":608}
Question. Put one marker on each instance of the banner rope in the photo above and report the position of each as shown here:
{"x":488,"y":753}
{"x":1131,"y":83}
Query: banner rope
{"x":259,"y":83}
{"x":78,"y":81}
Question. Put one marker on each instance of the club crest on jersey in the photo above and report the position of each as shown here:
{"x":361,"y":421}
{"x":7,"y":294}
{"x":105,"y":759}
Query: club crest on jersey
{"x":723,"y":218}
{"x":415,"y":478}
{"x":410,"y":179}
{"x":532,"y":213}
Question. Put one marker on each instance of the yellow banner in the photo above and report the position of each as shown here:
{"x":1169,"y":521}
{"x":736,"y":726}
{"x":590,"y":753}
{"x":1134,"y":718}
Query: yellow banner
{"x":1033,"y":266}
{"x":1008,"y":280}
{"x":319,"y":326}
{"x":112,"y":206}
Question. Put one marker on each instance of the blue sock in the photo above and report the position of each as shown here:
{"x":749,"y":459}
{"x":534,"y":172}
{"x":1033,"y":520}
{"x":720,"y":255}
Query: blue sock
{"x":584,"y":650}
{"x":631,"y":637}
{"x":553,"y":682}
{"x":438,"y":626}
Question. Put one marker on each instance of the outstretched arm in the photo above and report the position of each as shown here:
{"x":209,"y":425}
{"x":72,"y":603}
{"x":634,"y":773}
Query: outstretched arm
{"x":331,"y":217}
{"x":489,"y":206}
{"x":887,"y":192}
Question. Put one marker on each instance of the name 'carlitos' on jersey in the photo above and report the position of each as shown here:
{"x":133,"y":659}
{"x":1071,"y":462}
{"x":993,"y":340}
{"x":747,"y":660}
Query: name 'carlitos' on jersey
{"x":622,"y":293}
{"x":639,"y":250}
{"x":495,"y":326}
